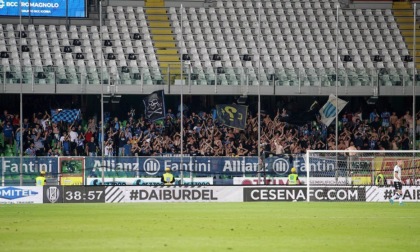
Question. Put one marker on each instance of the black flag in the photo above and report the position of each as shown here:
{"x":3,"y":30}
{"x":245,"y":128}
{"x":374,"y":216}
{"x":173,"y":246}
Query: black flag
{"x":154,"y":106}
{"x":232,"y":115}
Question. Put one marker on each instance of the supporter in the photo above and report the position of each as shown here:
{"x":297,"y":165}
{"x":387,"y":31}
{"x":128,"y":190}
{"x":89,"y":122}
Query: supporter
{"x":385,"y":115}
{"x":31,"y":151}
{"x":204,"y":136}
{"x":393,"y":118}
{"x":8,"y":133}
{"x":91,"y":147}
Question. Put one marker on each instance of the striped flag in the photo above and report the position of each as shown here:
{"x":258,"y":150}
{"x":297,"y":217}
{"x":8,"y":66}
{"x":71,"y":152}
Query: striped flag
{"x":328,"y":111}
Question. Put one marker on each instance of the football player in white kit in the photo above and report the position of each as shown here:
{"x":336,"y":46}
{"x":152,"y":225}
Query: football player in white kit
{"x":397,"y":183}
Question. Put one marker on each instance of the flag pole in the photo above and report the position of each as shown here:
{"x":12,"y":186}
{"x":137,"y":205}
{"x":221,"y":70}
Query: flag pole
{"x":182,"y":108}
{"x":21,"y":99}
{"x":259,"y":101}
{"x":102,"y":97}
{"x":336,"y":81}
{"x":414,"y":77}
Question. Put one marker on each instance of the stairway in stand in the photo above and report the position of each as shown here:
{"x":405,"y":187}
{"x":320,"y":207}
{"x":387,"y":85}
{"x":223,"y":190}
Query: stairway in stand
{"x":404,"y":16}
{"x":163,"y":39}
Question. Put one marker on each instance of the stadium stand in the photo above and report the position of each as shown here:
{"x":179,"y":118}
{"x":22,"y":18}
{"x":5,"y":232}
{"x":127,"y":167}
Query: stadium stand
{"x":287,"y":42}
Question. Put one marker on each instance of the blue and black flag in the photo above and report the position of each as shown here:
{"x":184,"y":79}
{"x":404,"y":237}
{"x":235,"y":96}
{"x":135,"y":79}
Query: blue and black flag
{"x":154,"y":106}
{"x":66,"y":115}
{"x":232,"y":115}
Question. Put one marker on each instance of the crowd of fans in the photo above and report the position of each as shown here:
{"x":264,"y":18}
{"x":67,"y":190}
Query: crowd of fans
{"x":203,"y":135}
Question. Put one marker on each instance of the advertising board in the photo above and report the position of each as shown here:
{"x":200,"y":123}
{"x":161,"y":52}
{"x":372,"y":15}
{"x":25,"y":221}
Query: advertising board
{"x":43,"y":8}
{"x":117,"y":194}
{"x":148,"y":181}
{"x":74,"y":194}
{"x":314,"y":181}
{"x":299,"y":193}
{"x":20,"y":194}
{"x":383,"y":194}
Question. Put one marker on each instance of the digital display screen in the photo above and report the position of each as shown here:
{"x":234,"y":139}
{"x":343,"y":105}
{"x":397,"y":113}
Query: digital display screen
{"x":43,"y":8}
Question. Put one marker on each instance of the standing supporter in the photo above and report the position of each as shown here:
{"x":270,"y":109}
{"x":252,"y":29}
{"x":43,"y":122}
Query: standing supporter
{"x":121,"y":141}
{"x":73,"y":139}
{"x":31,"y":151}
{"x":16,"y":122}
{"x":385,"y":115}
{"x":393,"y":119}
{"x":8,"y":133}
{"x":80,"y":148}
{"x":91,"y":147}
{"x":65,"y":144}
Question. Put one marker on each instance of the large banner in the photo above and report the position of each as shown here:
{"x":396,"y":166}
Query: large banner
{"x":43,"y":8}
{"x":232,"y":115}
{"x":78,"y":170}
{"x":31,"y":167}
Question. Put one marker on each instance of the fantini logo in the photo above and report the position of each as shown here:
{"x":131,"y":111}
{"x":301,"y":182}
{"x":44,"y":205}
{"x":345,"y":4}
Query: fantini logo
{"x":12,"y":193}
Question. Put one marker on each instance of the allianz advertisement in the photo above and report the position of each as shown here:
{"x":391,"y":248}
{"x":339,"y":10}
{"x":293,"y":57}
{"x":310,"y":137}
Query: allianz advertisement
{"x":134,"y":167}
{"x":43,"y":8}
{"x":203,"y":166}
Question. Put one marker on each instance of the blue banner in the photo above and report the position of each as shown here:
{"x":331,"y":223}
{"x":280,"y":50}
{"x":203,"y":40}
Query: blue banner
{"x":278,"y":166}
{"x":43,"y":8}
{"x":31,"y":167}
{"x":152,"y":167}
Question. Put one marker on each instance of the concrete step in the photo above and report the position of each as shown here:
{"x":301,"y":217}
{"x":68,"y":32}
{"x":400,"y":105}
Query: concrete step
{"x":164,"y":45}
{"x":401,"y":5}
{"x":157,"y":24}
{"x":168,"y":58}
{"x":161,"y":31}
{"x":167,"y":51}
{"x":163,"y":37}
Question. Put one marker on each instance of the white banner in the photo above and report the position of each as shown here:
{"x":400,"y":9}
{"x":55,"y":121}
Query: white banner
{"x":315,"y":181}
{"x":329,"y":111}
{"x":383,"y":194}
{"x":148,"y":181}
{"x":119,"y":194}
{"x":21,"y":194}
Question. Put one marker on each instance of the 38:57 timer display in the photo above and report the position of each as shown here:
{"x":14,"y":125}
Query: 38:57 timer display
{"x":74,"y":194}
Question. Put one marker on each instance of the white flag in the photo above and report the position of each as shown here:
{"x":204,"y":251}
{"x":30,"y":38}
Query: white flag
{"x":328,"y":111}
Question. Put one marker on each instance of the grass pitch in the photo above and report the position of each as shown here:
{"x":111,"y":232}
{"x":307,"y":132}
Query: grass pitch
{"x":258,"y":227}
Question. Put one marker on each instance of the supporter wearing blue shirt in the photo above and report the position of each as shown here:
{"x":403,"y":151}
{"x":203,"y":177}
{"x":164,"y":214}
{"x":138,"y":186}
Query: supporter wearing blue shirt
{"x":8,"y":133}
